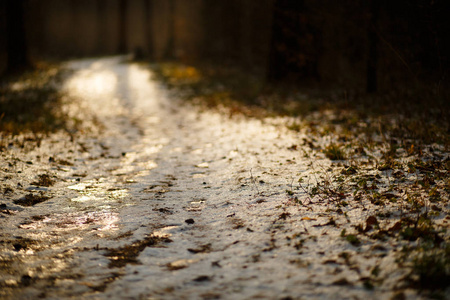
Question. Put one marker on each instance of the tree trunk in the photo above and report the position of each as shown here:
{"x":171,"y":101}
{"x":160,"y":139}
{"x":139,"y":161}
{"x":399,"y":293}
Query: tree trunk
{"x":100,"y":10}
{"x":123,"y":47}
{"x":170,"y":46}
{"x":148,"y":28}
{"x":372,"y":59}
{"x":17,"y":49}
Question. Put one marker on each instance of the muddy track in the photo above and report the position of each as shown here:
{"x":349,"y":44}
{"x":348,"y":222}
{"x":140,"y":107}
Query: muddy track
{"x":167,"y":202}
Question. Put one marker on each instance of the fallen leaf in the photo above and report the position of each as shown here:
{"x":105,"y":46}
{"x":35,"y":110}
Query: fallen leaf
{"x":371,"y":221}
{"x":202,"y":278}
{"x":202,"y":249}
{"x":397,"y":226}
{"x":341,"y":281}
{"x":284,"y":216}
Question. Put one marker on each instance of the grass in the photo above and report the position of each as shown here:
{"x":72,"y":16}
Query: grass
{"x":334,"y":152}
{"x":31,"y":102}
{"x":213,"y":86}
{"x":431,"y":269}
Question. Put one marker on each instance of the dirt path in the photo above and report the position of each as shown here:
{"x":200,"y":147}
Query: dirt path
{"x":167,"y":202}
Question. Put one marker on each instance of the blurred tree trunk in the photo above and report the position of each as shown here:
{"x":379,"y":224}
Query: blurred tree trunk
{"x":245,"y":32}
{"x":274,"y":69}
{"x":17,"y":49}
{"x":372,"y":59}
{"x":170,"y":46}
{"x":148,"y":28}
{"x":123,"y":47}
{"x":100,"y":10}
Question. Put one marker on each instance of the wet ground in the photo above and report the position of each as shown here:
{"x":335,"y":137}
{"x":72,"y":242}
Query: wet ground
{"x":158,"y":200}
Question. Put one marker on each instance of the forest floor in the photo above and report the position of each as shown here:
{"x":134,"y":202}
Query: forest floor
{"x":128,"y":181}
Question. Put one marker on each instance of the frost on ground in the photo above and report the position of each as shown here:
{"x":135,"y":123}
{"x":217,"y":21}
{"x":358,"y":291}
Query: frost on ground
{"x":155,"y":199}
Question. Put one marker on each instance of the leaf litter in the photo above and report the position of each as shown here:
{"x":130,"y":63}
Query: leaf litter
{"x":292,"y":207}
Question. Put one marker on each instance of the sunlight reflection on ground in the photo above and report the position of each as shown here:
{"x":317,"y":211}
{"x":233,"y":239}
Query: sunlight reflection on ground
{"x":90,"y":84}
{"x":98,"y":220}
{"x":121,"y":92}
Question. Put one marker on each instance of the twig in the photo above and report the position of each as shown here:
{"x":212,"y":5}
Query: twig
{"x":254,"y":181}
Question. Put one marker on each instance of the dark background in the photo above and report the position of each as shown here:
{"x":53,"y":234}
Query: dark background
{"x":363,"y":45}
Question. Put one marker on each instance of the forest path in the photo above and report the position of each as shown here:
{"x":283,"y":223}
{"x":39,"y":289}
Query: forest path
{"x":168,"y":202}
